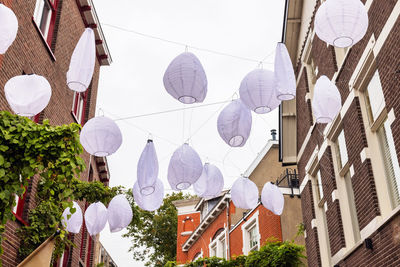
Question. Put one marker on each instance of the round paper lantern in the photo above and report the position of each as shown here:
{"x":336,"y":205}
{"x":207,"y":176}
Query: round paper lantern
{"x":119,"y":213}
{"x":149,"y":202}
{"x":258,"y":91}
{"x":27,"y":95}
{"x":244,"y":193}
{"x":74,"y":223}
{"x":147,"y":169}
{"x":341,"y":23}
{"x":81,"y":66}
{"x":326,"y":101}
{"x":8,"y":28}
{"x":284,"y":74}
{"x":272,"y":198}
{"x":234,"y":124}
{"x":210,"y":183}
{"x":184,"y":168}
{"x":95,"y":218}
{"x":101,"y":136}
{"x":185,"y":79}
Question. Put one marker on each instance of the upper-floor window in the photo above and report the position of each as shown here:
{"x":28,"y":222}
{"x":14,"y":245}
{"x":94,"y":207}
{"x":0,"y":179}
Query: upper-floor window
{"x":251,"y":234}
{"x":341,"y":148}
{"x":320,"y":192}
{"x":218,"y":245}
{"x":79,"y":106}
{"x":374,"y":98}
{"x":253,"y":238}
{"x":45,"y":17}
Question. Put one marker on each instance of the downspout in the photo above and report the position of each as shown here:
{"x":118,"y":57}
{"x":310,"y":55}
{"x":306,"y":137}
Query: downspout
{"x":228,"y":223}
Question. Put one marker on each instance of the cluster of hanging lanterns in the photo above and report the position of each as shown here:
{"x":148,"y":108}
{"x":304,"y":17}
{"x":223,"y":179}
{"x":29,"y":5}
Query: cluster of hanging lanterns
{"x":119,"y":215}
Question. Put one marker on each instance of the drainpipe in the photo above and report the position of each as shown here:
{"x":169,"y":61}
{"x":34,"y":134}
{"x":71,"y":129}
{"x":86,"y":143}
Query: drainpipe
{"x":228,"y":253}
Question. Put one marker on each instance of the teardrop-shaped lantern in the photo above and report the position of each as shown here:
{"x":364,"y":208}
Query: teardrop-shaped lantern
{"x":150,"y":202}
{"x":234,"y":123}
{"x":185,"y":79}
{"x":244,"y":193}
{"x":27,"y":95}
{"x":185,"y":167}
{"x":210,"y":183}
{"x":81,"y":66}
{"x":341,"y":23}
{"x":119,"y":213}
{"x":258,"y":91}
{"x":272,"y":198}
{"x":284,"y":74}
{"x":95,"y":218}
{"x":147,"y":169}
{"x":326,"y":102}
{"x":73,"y":224}
{"x":8,"y":28}
{"x":101,"y":136}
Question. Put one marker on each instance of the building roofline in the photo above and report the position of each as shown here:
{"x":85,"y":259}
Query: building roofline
{"x":185,"y":202}
{"x":244,"y":217}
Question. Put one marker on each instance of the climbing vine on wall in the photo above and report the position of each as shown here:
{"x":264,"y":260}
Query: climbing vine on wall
{"x":53,"y":154}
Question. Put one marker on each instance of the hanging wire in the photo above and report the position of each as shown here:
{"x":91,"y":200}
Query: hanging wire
{"x":183,"y":44}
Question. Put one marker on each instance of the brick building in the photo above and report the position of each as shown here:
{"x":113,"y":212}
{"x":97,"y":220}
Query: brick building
{"x":348,"y":169}
{"x":215,"y":227}
{"x":47,"y":35}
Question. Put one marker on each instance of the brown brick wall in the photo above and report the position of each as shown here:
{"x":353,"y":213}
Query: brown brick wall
{"x":303,"y":110}
{"x":28,"y":53}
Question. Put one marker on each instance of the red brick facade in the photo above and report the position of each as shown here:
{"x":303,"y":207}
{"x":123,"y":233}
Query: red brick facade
{"x":30,"y":54}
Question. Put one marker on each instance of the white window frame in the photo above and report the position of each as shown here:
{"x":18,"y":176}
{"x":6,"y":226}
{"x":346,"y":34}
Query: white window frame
{"x":199,"y":256}
{"x":251,"y":222}
{"x":79,"y":113}
{"x":373,"y":91}
{"x":38,"y":16}
{"x":218,"y":243}
{"x":342,"y":156}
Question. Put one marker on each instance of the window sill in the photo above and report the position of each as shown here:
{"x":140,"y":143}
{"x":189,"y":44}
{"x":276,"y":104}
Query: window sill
{"x":379,"y":120}
{"x":20,"y":220}
{"x":344,"y":169}
{"x":44,"y":40}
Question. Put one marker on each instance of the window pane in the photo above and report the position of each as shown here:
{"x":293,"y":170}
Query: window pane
{"x":342,"y":149}
{"x":375,"y":99}
{"x":320,"y":190}
{"x":253,"y":238}
{"x":42,"y":16}
{"x":352,"y":206}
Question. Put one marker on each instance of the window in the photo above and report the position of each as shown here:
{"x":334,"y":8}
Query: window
{"x":79,"y":106}
{"x":251,"y":234}
{"x":352,"y":207}
{"x":199,"y":255}
{"x":320,"y":188}
{"x":45,"y":17}
{"x":341,"y":149}
{"x":390,"y":161}
{"x":218,"y":245}
{"x":374,"y":98}
{"x":18,"y":209}
{"x":213,"y":251}
{"x":253,"y":238}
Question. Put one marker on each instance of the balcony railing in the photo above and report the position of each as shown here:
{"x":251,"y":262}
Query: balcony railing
{"x":289,"y":179}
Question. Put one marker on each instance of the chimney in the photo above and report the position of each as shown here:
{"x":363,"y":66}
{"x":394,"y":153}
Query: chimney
{"x":273,"y":133}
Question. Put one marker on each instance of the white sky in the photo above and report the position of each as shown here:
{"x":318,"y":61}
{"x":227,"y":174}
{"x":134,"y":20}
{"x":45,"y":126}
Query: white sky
{"x":133,"y":85}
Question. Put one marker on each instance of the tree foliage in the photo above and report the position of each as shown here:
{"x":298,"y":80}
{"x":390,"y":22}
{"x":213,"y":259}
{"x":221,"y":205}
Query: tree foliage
{"x":153,"y":234}
{"x":271,"y":254}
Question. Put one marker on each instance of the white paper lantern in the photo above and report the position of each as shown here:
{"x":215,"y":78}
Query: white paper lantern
{"x":184,"y":168}
{"x":341,"y":23}
{"x":284,"y":74}
{"x":95,"y":218}
{"x":272,"y":198}
{"x":244,"y":193}
{"x":101,"y":136}
{"x":234,"y":123}
{"x":210,"y":183}
{"x":74,"y":223}
{"x":8,"y":28}
{"x":149,"y":202}
{"x":82,"y":62}
{"x":326,"y":101}
{"x":258,"y":91}
{"x":119,"y":213}
{"x":147,"y":169}
{"x":185,"y":79}
{"x":27,"y":95}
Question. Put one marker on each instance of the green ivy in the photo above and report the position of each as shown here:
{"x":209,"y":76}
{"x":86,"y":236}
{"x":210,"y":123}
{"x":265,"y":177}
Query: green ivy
{"x":53,"y":154}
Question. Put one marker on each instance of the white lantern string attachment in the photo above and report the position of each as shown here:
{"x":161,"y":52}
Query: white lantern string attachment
{"x":210,"y":183}
{"x":326,"y":102}
{"x":284,"y":74}
{"x":72,"y":221}
{"x":82,"y":62}
{"x":341,"y":23}
{"x":258,"y":91}
{"x":119,"y":213}
{"x":101,"y":136}
{"x":185,"y":79}
{"x":95,"y":218}
{"x":147,"y":169}
{"x":27,"y":95}
{"x":244,"y":193}
{"x":149,"y":202}
{"x":8,"y":28}
{"x":234,"y":123}
{"x":185,"y":168}
{"x":272,"y":198}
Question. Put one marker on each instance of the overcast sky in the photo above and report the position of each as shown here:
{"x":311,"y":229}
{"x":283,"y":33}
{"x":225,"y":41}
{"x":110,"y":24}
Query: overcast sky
{"x":133,"y":84}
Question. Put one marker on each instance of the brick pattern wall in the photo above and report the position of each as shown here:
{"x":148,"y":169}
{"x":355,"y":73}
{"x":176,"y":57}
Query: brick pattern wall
{"x":29,"y":54}
{"x":303,"y":110}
